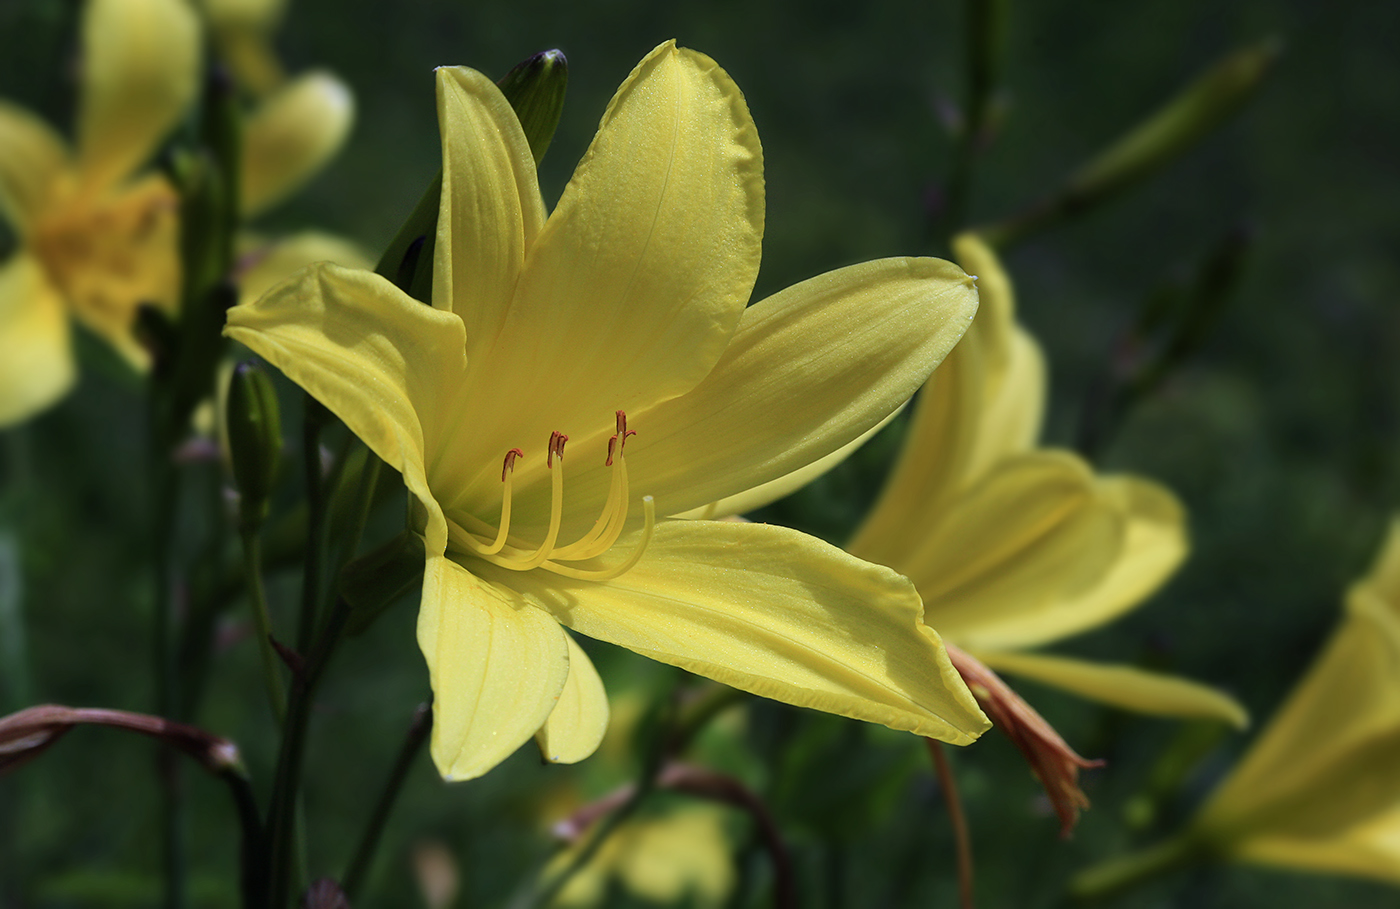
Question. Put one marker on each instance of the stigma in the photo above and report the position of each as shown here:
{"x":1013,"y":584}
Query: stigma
{"x":497,"y":548}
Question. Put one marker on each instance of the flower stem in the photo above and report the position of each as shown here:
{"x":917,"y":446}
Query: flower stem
{"x":1117,"y":875}
{"x":958,"y":819}
{"x":257,"y":598}
{"x":369,"y":841}
{"x":315,"y":555}
{"x":283,"y":811}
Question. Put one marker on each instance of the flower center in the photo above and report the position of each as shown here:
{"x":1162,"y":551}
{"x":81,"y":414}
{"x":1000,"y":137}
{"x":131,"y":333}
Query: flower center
{"x":496,"y":548}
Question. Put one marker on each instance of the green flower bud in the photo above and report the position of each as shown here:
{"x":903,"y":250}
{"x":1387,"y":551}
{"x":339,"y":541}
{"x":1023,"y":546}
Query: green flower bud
{"x":535,"y":88}
{"x":254,"y":430}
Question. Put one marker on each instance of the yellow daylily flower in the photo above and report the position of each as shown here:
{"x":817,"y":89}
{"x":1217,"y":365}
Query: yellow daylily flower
{"x":97,"y":241}
{"x":1319,"y":790}
{"x":292,"y":134}
{"x":683,"y":855}
{"x":619,"y":319}
{"x":243,"y":32}
{"x":1013,"y":546}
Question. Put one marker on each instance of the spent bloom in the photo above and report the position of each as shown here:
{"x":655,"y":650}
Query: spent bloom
{"x":609,"y":342}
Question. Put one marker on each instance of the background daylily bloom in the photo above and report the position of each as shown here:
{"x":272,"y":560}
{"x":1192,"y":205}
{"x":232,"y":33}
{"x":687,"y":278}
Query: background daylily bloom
{"x":243,"y":30}
{"x":96,"y":240}
{"x":1319,"y":790}
{"x":1013,"y":546}
{"x":622,"y":314}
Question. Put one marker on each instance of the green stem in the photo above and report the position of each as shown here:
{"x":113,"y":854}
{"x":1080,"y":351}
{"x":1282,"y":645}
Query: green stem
{"x":369,"y":841}
{"x":282,"y":814}
{"x":1117,"y":875}
{"x":257,"y":598}
{"x":316,"y":513}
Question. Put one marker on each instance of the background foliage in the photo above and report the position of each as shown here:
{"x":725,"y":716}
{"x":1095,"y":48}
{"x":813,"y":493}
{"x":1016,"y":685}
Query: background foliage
{"x":1280,"y":436}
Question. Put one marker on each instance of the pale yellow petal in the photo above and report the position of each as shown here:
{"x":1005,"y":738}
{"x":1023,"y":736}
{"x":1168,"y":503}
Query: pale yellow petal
{"x":774,"y":490}
{"x":1326,"y":761}
{"x":684,"y":855}
{"x":291,"y":135}
{"x":966,"y":421}
{"x":36,"y":360}
{"x":377,"y":358}
{"x":32,"y":159}
{"x":1006,"y":562}
{"x":140,"y":71}
{"x":243,"y":30}
{"x":773,"y":612}
{"x":264,"y":263}
{"x":490,"y":211}
{"x":637,"y":281}
{"x":578,"y":722}
{"x":1371,"y":850}
{"x":811,"y":369}
{"x":496,"y":664}
{"x":1126,"y":687}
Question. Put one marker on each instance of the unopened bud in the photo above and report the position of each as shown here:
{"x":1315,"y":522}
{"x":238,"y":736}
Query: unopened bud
{"x":254,"y":430}
{"x":535,"y":88}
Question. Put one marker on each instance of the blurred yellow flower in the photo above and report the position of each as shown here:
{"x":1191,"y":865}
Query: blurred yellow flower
{"x":242,"y":31}
{"x":682,"y":855}
{"x":1319,"y":790}
{"x":97,"y":241}
{"x":623,"y":314}
{"x":1012,"y":546}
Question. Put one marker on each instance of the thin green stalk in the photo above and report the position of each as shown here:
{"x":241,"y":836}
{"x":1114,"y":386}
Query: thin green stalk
{"x":164,"y":488}
{"x":257,"y":599}
{"x":282,"y":814}
{"x":369,"y":841}
{"x":312,"y":422}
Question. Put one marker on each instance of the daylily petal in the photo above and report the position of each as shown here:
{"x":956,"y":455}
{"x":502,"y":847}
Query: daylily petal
{"x":140,"y":72}
{"x":32,"y":157}
{"x":491,"y":209}
{"x":810,"y":370}
{"x":36,"y":361}
{"x":578,"y":722}
{"x":1013,"y":553}
{"x":963,"y":425}
{"x":291,"y":136}
{"x":1275,"y":788}
{"x":638,"y":280}
{"x":776,"y":613}
{"x":377,"y":358}
{"x":496,"y":664}
{"x":774,"y":490}
{"x":242,"y":29}
{"x":1371,"y":850}
{"x":1122,"y":686}
{"x":265,"y":263}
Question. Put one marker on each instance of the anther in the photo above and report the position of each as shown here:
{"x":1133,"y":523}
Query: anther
{"x":619,"y":440}
{"x":509,"y":465}
{"x":556,"y":447}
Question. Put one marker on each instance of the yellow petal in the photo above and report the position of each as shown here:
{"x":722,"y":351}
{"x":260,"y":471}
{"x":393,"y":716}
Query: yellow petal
{"x":291,"y":136}
{"x":243,"y":29}
{"x":776,"y":613}
{"x":1007,"y":559}
{"x":774,"y":490}
{"x":972,"y":414}
{"x":32,"y":157}
{"x":36,"y":362}
{"x":140,"y":73}
{"x":1370,"y":850}
{"x":811,"y":369}
{"x":377,"y":358}
{"x":491,"y":210}
{"x":636,"y":283}
{"x":266,"y":263}
{"x":496,"y":664}
{"x":1326,"y":761}
{"x":578,"y":722}
{"x":1126,"y":687}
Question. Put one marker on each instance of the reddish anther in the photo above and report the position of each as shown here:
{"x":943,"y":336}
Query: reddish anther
{"x":509,"y":464}
{"x":556,"y":447}
{"x":619,"y":440}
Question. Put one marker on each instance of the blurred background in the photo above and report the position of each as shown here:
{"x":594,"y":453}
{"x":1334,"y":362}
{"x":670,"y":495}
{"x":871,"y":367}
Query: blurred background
{"x":1280,"y":434}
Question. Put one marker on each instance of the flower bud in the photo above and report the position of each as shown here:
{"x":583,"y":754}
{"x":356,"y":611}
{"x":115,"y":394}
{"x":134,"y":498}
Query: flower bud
{"x":254,"y":431}
{"x":535,"y":88}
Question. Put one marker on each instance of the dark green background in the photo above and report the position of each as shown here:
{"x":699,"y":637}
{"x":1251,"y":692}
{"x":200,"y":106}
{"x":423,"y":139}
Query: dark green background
{"x":1280,"y":436}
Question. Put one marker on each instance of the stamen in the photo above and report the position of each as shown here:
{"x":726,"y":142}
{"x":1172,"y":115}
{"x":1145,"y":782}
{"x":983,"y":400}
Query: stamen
{"x":607,"y":574}
{"x":608,"y":527}
{"x":507,"y":473}
{"x":619,"y":440}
